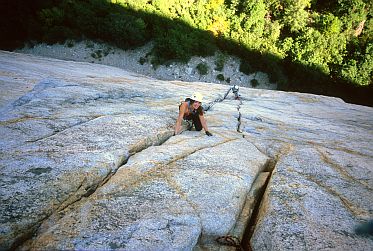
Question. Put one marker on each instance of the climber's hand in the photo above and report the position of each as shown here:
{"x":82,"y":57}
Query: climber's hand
{"x":208,"y":133}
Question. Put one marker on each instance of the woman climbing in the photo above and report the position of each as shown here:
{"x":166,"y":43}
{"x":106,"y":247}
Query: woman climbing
{"x":191,"y":110}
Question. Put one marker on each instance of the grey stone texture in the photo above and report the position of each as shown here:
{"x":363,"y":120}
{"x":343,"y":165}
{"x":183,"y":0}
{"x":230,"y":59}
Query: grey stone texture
{"x":88,"y":161}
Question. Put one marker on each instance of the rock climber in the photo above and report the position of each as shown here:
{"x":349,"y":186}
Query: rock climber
{"x":191,"y":110}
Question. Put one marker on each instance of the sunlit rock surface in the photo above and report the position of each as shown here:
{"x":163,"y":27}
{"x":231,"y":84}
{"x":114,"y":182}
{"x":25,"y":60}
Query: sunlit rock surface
{"x":89,"y":161}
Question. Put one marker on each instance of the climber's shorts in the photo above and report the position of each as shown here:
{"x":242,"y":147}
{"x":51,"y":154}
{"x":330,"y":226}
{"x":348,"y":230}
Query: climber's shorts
{"x":196,"y":121}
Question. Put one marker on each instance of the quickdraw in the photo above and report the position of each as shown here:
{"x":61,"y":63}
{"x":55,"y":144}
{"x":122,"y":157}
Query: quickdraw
{"x":234,"y":89}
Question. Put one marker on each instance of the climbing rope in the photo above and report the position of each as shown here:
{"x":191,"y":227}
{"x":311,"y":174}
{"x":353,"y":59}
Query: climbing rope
{"x":229,"y":240}
{"x":234,"y":90}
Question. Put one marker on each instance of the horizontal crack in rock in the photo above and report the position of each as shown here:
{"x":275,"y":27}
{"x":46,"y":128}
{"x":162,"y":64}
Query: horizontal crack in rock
{"x":341,"y":171}
{"x":348,"y":205}
{"x":84,"y":192}
{"x":67,"y":128}
{"x":158,"y":169}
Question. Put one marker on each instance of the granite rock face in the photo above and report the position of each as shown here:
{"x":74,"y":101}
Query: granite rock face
{"x":89,"y":161}
{"x":321,"y":187}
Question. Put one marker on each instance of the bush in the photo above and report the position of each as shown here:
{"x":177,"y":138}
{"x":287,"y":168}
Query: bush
{"x":202,"y":69}
{"x":89,"y":44}
{"x":142,"y":60}
{"x":70,"y":43}
{"x":254,"y":83}
{"x":246,"y":68}
{"x":97,"y":54}
{"x":106,"y":51}
{"x":219,"y":62}
{"x":178,"y":42}
{"x":220,"y":77}
{"x":329,"y":39}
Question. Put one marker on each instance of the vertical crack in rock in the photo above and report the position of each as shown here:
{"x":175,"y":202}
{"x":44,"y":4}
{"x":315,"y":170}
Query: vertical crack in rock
{"x":158,"y":171}
{"x":255,"y":198}
{"x":25,"y":236}
{"x":234,"y":89}
{"x":239,"y":117}
{"x":250,"y":212}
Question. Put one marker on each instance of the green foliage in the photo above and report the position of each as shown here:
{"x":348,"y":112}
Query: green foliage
{"x":180,"y":42}
{"x":328,"y":23}
{"x":202,"y":68}
{"x":352,"y":13}
{"x":52,"y":17}
{"x":318,"y":50}
{"x":360,"y":69}
{"x":220,"y":61}
{"x":142,"y":60}
{"x":220,"y":77}
{"x":89,"y":44}
{"x":253,"y":20}
{"x":94,"y":55}
{"x":245,"y":67}
{"x":97,"y":54}
{"x":106,"y":51}
{"x":70,"y":43}
{"x":295,"y":14}
{"x":367,"y":33}
{"x":95,"y":19}
{"x":288,"y":39}
{"x":254,"y":83}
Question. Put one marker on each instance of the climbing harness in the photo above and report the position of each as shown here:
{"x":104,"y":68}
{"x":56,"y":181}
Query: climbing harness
{"x":234,"y":90}
{"x":198,"y":97}
{"x":229,"y":240}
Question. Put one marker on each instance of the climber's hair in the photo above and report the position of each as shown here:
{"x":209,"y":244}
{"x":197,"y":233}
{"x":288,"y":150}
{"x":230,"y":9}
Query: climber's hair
{"x":199,"y":110}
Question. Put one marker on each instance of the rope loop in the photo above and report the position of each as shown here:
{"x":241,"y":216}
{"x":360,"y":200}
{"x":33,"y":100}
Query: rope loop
{"x":229,"y":240}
